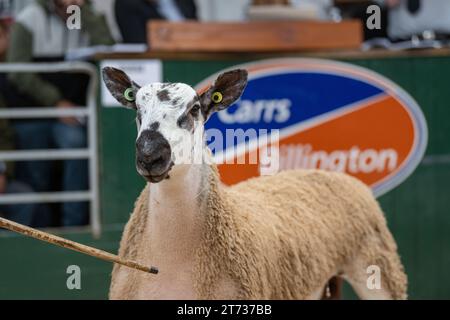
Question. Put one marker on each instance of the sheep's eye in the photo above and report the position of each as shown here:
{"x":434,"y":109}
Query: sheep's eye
{"x":129,"y":95}
{"x":217,"y":97}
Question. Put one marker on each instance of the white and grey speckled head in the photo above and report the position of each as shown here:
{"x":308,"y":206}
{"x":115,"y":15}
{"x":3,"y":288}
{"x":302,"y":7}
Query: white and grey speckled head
{"x":173,"y":109}
{"x":170,"y":117}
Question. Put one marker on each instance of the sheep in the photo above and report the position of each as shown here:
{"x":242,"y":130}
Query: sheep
{"x":272,"y":237}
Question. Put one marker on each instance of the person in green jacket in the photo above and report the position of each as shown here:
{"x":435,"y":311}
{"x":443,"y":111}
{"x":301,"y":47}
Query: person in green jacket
{"x":41,"y":33}
{"x":24,"y":213}
{"x":6,"y":134}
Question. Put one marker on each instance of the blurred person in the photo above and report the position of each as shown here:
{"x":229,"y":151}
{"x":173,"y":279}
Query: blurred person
{"x":358,"y":10}
{"x":132,"y":15}
{"x":21,"y":213}
{"x":408,"y":18}
{"x":6,"y":134}
{"x":35,"y":215}
{"x":40,"y":34}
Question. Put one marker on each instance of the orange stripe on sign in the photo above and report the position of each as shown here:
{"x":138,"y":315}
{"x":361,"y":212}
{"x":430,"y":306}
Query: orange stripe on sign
{"x":370,"y":143}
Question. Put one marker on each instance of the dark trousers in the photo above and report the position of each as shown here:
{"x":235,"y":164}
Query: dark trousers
{"x":22,"y":213}
{"x":47,"y":134}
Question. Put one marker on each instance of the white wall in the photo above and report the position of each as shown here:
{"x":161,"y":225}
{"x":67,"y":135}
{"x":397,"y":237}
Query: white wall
{"x":222,"y":10}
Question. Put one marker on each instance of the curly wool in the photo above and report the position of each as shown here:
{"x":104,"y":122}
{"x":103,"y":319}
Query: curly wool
{"x":281,"y":237}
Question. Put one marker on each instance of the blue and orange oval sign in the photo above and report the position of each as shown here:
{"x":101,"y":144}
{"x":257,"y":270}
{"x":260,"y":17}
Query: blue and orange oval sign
{"x":330,"y":115}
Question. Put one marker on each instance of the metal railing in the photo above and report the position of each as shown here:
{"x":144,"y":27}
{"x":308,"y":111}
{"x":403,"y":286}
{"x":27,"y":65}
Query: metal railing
{"x":90,"y":153}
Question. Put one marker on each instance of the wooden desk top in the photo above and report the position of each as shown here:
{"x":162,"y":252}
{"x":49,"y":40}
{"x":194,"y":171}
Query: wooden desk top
{"x":254,"y":36}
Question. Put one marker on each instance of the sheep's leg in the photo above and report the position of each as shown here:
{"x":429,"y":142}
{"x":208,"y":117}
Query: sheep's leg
{"x":333,"y":289}
{"x":377,"y":276}
{"x":364,"y":292}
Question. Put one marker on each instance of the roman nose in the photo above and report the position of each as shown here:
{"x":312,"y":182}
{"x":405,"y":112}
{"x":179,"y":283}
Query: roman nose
{"x":152,"y":152}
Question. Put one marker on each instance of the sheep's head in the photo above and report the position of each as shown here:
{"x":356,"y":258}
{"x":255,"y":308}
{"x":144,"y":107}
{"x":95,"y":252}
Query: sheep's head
{"x":170,"y":116}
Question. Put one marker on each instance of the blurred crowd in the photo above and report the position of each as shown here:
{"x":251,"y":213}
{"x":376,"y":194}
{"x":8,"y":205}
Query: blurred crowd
{"x":37,"y":32}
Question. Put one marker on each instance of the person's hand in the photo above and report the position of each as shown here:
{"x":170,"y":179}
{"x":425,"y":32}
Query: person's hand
{"x":2,"y":183}
{"x":71,"y":121}
{"x":392,"y":3}
{"x":67,"y":3}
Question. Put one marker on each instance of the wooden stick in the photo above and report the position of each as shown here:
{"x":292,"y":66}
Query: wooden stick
{"x":72,"y":245}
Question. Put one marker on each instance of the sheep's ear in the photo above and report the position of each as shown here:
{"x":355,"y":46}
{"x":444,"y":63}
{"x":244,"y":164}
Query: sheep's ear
{"x":227,"y":88}
{"x":121,"y":86}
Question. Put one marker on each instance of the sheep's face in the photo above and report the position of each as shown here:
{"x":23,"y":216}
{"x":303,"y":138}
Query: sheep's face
{"x":170,"y":117}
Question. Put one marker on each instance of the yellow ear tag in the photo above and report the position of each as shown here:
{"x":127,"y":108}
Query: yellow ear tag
{"x":129,"y":94}
{"x":217,"y":97}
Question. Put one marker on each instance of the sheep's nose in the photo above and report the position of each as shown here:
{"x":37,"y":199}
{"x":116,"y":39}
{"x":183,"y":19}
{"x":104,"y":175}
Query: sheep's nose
{"x":153,"y":153}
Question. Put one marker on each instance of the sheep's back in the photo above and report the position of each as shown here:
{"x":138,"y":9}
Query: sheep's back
{"x":302,"y":224}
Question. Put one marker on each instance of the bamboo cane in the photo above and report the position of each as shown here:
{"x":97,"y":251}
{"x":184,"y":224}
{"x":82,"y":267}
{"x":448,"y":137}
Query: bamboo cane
{"x":72,"y":245}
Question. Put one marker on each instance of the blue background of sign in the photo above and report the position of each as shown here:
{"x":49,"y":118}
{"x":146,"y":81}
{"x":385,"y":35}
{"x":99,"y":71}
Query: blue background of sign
{"x":311,"y":94}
